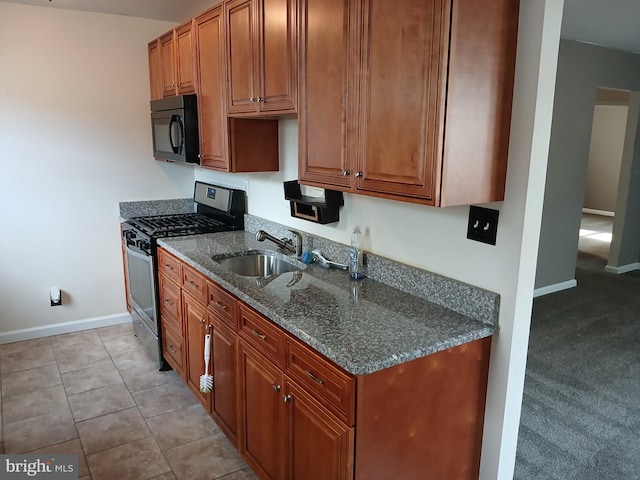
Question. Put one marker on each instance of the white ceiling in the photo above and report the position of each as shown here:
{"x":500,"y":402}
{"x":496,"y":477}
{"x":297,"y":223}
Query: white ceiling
{"x":610,"y":23}
{"x":170,"y":10}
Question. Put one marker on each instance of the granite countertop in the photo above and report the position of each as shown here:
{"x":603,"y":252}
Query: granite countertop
{"x":363,"y":326}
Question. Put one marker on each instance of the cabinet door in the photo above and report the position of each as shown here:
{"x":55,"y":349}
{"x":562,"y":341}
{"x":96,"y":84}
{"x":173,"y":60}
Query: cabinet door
{"x":401,"y":96}
{"x":184,"y":60}
{"x":318,"y":445}
{"x":195,"y":317}
{"x":240,"y":16}
{"x":155,"y":73}
{"x":167,"y":64}
{"x":262,"y":407}
{"x":211,"y":89}
{"x":223,"y":351}
{"x":328,"y":49}
{"x":277,"y":56}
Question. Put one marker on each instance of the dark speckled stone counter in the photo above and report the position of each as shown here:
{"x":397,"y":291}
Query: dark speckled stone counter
{"x":363,"y":326}
{"x":156,"y":207}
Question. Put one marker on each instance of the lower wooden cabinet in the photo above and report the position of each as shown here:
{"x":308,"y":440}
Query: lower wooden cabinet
{"x":195,"y":320}
{"x":224,"y":408}
{"x":295,"y":415}
{"x":317,"y":445}
{"x":262,"y":407}
{"x":173,"y":348}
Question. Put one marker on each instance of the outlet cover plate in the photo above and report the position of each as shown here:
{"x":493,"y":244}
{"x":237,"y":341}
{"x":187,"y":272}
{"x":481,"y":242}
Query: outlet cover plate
{"x":483,"y":225}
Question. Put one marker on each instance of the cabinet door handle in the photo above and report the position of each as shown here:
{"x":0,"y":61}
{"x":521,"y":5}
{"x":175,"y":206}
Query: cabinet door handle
{"x":345,"y":173}
{"x":171,"y":349}
{"x":358,"y":174}
{"x":169,"y":302}
{"x":209,"y":327}
{"x":260,"y":100}
{"x":252,"y":99}
{"x":221,"y":305}
{"x":276,"y":388}
{"x":287,"y":398}
{"x":313,"y":377}
{"x":202,"y":321}
{"x":259,"y":335}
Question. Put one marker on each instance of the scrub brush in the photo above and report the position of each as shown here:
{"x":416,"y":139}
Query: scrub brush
{"x":206,"y":380}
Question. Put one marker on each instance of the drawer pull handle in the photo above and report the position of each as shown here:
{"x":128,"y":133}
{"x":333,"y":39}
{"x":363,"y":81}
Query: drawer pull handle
{"x":202,"y":320}
{"x":276,"y":388}
{"x":221,"y":305}
{"x":171,"y":349}
{"x":259,"y":335}
{"x":313,"y":377}
{"x":193,"y":284}
{"x":168,"y":266}
{"x":287,"y":398}
{"x":169,"y":302}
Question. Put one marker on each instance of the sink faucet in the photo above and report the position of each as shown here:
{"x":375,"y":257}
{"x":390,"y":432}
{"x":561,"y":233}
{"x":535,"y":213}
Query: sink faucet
{"x":284,"y":243}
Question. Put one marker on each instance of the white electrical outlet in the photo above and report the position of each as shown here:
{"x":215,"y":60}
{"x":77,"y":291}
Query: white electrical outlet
{"x":55,"y":297}
{"x":246,"y":186}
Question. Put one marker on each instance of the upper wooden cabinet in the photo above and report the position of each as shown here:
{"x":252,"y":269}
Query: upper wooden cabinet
{"x":176,"y":61}
{"x":262,"y":56}
{"x":226,"y":144}
{"x":407,"y":100}
{"x":155,"y":75}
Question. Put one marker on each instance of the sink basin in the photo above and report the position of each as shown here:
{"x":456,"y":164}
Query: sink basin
{"x":257,"y":264}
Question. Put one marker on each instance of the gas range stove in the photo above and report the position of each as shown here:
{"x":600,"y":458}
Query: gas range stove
{"x":218,"y":209}
{"x":176,"y":225}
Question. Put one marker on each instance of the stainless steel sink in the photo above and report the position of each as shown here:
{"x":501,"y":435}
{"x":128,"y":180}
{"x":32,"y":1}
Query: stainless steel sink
{"x":257,"y":264}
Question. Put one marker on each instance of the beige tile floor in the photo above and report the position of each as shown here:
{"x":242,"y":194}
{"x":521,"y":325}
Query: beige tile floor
{"x":97,"y":394}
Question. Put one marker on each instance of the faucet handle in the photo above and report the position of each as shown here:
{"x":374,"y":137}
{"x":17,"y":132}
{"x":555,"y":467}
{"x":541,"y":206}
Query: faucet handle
{"x":298,"y":241}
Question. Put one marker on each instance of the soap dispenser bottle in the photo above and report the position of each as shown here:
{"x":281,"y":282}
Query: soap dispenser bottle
{"x":356,"y":267}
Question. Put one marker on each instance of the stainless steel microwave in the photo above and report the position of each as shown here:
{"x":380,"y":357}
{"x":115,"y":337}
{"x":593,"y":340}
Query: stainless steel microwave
{"x":174,"y":127}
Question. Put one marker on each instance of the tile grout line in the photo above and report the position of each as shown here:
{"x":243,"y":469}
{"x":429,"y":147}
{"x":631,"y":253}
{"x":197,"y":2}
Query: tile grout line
{"x":138,"y":408}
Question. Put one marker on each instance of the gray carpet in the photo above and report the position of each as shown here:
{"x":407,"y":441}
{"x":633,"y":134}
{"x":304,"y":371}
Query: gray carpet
{"x":581,"y":407}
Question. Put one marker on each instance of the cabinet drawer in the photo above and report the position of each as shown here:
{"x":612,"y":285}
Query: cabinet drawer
{"x":170,"y":301}
{"x":223,"y":305}
{"x":194,"y":283}
{"x":324,"y":381}
{"x":172,"y":348}
{"x":168,"y":265}
{"x":263,"y":335}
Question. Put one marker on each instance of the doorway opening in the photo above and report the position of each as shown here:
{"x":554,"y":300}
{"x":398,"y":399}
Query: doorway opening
{"x":608,"y":133}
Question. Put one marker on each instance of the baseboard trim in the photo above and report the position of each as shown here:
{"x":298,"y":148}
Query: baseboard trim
{"x":604,"y":213}
{"x":66,"y":327}
{"x":556,"y":287}
{"x":623,"y":269}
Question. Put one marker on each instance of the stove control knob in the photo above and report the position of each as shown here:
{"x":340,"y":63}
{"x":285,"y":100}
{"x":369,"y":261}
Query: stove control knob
{"x":129,"y":234}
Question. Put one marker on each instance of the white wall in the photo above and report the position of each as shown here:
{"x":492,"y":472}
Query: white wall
{"x":605,"y":156}
{"x":435,"y":239}
{"x":75,"y":139}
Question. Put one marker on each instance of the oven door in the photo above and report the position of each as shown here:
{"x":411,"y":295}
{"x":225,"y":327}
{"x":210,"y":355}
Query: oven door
{"x":142,"y":294}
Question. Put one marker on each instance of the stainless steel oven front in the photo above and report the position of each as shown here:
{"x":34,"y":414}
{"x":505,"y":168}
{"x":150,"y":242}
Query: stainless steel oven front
{"x":142,"y":295}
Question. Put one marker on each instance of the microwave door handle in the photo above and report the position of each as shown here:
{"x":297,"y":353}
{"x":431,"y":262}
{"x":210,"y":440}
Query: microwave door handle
{"x":175,"y":119}
{"x":181,"y":125}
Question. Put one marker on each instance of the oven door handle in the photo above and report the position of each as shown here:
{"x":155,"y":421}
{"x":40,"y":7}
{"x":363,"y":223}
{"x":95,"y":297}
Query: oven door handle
{"x":179,"y":142}
{"x":139,"y":253}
